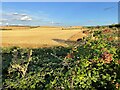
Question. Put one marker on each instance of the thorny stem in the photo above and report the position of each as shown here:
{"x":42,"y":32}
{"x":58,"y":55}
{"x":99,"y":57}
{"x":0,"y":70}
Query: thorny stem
{"x":29,"y":59}
{"x":22,"y":69}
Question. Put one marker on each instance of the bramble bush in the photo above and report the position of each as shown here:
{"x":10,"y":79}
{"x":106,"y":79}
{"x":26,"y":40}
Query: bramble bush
{"x":94,"y":65}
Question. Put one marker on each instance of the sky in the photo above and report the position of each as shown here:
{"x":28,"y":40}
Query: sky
{"x":59,"y":13}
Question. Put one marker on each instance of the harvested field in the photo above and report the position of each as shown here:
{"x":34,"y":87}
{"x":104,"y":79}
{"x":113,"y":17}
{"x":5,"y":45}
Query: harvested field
{"x":38,"y":37}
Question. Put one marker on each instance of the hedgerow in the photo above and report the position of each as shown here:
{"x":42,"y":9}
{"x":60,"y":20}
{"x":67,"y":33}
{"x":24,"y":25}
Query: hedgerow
{"x":94,"y":65}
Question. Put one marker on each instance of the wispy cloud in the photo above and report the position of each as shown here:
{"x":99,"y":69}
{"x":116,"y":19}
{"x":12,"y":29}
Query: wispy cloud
{"x":52,"y":22}
{"x":3,"y":20}
{"x":23,"y":14}
{"x":10,"y":18}
{"x":15,"y":13}
{"x":19,"y":14}
{"x":21,"y":17}
{"x":7,"y":23}
{"x":91,"y":21}
{"x":0,"y":23}
{"x":108,"y":8}
{"x":25,"y":18}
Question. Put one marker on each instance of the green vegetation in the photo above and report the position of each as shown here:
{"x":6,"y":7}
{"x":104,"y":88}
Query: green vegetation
{"x":110,"y":26}
{"x":5,"y":29}
{"x":94,"y":65}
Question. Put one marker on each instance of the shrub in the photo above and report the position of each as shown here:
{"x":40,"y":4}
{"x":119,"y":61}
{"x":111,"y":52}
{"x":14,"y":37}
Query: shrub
{"x":94,"y":65}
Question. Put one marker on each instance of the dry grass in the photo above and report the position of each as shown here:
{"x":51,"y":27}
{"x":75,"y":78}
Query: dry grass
{"x":37,"y":37}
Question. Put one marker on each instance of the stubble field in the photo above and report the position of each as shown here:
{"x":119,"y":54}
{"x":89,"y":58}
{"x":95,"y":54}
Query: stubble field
{"x":37,"y":37}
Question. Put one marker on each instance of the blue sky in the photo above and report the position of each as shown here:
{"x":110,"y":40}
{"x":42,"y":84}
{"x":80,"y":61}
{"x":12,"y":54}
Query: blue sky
{"x":59,"y":13}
